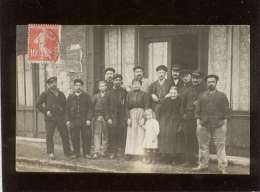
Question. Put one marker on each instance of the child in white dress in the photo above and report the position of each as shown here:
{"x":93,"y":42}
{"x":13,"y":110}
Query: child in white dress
{"x":152,"y":130}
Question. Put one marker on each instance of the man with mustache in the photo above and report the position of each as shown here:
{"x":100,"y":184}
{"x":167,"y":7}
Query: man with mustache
{"x":176,"y":80}
{"x":189,"y":101}
{"x":109,"y":74}
{"x":116,"y":117}
{"x":52,"y":104}
{"x":139,"y":75}
{"x":160,"y":88}
{"x":212,"y":112}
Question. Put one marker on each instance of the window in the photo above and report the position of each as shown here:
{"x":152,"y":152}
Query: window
{"x":24,"y":81}
{"x":157,"y":55}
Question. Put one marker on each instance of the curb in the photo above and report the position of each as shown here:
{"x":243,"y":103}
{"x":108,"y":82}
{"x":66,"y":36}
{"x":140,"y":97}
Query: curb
{"x":232,"y":160}
{"x":74,"y":167}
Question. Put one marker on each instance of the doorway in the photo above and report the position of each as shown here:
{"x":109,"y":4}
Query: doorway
{"x":182,"y":46}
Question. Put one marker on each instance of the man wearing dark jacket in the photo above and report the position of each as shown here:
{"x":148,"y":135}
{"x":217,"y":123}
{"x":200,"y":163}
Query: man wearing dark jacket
{"x":189,"y":101}
{"x":78,"y":116}
{"x":117,"y":116}
{"x":52,"y":103}
{"x":212,"y":112}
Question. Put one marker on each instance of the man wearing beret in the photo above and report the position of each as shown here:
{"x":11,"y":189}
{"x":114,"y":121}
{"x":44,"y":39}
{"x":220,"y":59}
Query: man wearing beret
{"x":189,"y":101}
{"x":159,"y":88}
{"x":116,"y":115}
{"x":52,"y":104}
{"x":212,"y":112}
{"x":176,"y":80}
{"x":78,"y":119}
{"x":109,"y":73}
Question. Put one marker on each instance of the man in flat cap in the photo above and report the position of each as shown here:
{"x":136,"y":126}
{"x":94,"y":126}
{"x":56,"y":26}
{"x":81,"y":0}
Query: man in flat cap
{"x":52,"y":104}
{"x":117,"y":116}
{"x":176,"y":80}
{"x":189,"y":101}
{"x":109,"y":73}
{"x":159,"y":88}
{"x":139,"y":74}
{"x":78,"y":119}
{"x":212,"y":112}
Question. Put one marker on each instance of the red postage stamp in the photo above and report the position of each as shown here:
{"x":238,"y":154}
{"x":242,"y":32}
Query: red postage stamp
{"x":43,"y":43}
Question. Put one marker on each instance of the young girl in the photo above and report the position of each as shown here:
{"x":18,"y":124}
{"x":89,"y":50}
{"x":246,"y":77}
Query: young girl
{"x":152,"y":130}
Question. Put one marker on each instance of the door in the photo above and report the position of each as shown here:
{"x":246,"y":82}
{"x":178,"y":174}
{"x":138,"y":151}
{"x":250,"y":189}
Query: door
{"x":185,"y":47}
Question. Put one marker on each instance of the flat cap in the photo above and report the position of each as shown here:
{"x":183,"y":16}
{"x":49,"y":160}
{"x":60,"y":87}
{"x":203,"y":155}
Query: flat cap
{"x":118,"y":76}
{"x":212,"y":76}
{"x":196,"y":74}
{"x":51,"y":79}
{"x":138,"y":67}
{"x":176,"y":68}
{"x":78,"y":81}
{"x":185,"y":72}
{"x":110,"y":69}
{"x":162,"y":67}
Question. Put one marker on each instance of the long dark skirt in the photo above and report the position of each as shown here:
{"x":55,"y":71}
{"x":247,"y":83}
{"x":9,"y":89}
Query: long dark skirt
{"x":168,"y":136}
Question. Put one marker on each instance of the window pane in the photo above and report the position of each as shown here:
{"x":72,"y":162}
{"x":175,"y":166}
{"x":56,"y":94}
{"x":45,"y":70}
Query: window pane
{"x":20,"y":80}
{"x":157,"y":55}
{"x":28,"y":82}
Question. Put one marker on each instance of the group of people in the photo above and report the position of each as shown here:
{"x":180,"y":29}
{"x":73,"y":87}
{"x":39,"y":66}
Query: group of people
{"x":169,"y":120}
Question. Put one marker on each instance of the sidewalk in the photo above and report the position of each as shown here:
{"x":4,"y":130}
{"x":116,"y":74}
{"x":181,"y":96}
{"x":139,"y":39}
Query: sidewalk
{"x":31,"y":155}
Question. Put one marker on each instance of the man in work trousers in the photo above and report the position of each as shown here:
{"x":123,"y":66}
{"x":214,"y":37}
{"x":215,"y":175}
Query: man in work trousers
{"x":212,"y":112}
{"x":78,"y":116}
{"x":54,"y":111}
{"x":189,"y":101}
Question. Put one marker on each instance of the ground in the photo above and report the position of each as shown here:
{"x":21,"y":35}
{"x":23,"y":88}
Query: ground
{"x":31,"y":156}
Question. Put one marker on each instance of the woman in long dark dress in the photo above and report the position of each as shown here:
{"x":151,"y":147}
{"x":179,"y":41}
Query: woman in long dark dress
{"x":170,"y":113}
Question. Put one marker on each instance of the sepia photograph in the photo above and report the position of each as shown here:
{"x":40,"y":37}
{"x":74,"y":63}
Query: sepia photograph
{"x":167,"y":99}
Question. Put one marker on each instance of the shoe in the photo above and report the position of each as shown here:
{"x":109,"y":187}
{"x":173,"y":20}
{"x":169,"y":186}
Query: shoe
{"x":75,"y":156}
{"x":173,"y":163}
{"x":95,"y":156}
{"x":185,"y":164}
{"x":51,"y":156}
{"x":112,"y":156}
{"x":199,"y":169}
{"x":224,"y":171}
{"x":87,"y":156}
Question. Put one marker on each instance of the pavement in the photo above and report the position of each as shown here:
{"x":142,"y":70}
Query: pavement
{"x":31,"y":157}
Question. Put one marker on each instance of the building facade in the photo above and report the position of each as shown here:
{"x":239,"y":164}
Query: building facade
{"x":86,"y":50}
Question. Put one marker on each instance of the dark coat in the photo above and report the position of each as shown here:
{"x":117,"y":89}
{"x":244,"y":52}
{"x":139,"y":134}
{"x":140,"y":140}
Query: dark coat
{"x":116,"y":106}
{"x":212,"y":109}
{"x":79,"y":108}
{"x":55,"y":104}
{"x":189,"y":99}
